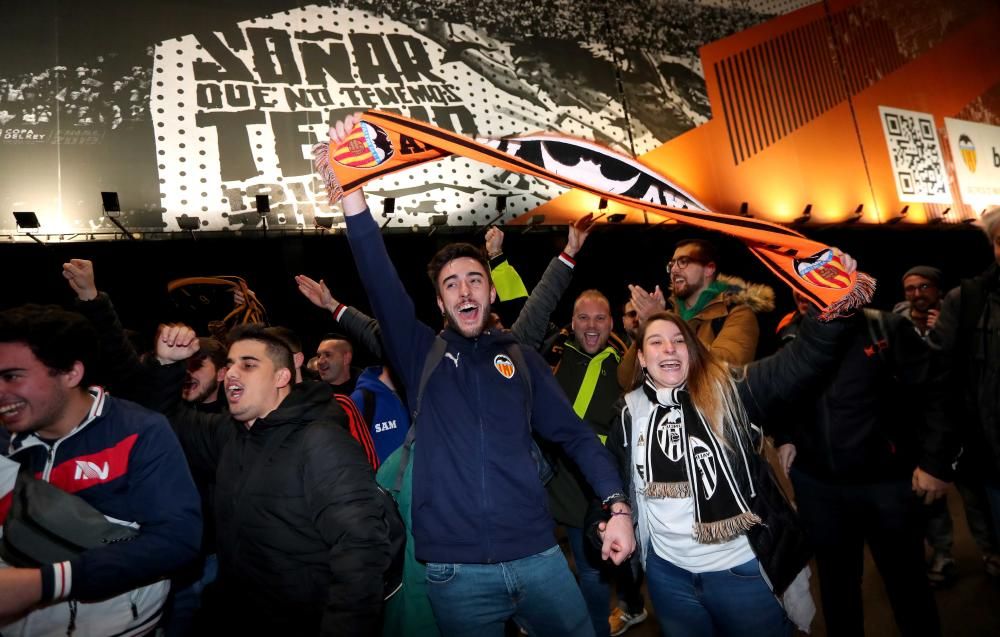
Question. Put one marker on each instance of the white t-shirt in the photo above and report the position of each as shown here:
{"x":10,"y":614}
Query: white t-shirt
{"x":671,"y":536}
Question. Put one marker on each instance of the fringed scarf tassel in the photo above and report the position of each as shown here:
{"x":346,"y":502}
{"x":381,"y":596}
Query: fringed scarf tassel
{"x":725,"y":530}
{"x":856,"y":299}
{"x":321,"y":163}
{"x":660,"y":490}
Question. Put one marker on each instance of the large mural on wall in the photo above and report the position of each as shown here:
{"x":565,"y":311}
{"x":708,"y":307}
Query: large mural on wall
{"x":190,"y":112}
{"x":196,"y":125}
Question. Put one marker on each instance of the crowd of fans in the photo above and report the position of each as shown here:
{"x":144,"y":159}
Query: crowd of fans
{"x":681,"y":27}
{"x":87,"y":96}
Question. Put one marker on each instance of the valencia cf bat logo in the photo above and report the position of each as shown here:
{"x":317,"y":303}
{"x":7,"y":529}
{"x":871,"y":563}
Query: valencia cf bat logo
{"x":824,"y":269}
{"x":366,"y":147}
{"x":504,"y":365}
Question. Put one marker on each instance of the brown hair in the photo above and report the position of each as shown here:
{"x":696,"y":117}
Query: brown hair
{"x":704,"y":250}
{"x":453,"y":251}
{"x":709,"y":381}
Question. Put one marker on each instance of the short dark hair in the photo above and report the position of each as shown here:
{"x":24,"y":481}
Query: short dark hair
{"x":277,"y":349}
{"x":705,"y":251}
{"x":211,"y":349}
{"x":453,"y":251}
{"x":288,"y":335}
{"x":57,"y":337}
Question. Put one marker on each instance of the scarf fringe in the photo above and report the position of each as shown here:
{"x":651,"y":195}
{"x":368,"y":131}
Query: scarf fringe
{"x":860,"y":296}
{"x":659,"y":490}
{"x":724,"y":530}
{"x":321,"y":163}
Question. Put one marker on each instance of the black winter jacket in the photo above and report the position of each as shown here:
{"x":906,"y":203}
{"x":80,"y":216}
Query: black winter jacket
{"x":877,"y":413}
{"x":302,"y":538}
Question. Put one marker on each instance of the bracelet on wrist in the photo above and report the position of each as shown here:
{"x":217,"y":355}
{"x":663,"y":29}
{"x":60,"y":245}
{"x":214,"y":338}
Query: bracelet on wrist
{"x":615,"y":498}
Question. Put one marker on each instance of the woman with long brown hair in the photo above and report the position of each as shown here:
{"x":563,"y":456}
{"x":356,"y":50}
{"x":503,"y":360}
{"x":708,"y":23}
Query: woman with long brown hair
{"x":720,"y":544}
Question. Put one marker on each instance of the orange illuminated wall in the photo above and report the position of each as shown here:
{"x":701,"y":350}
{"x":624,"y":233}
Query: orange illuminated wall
{"x":795,"y":117}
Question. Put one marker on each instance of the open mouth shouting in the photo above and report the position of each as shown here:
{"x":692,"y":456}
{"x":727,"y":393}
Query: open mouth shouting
{"x":591,"y":340}
{"x":469,"y":315}
{"x":234,"y":391}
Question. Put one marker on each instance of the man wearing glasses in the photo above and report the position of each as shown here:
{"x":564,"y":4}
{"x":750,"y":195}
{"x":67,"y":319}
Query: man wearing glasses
{"x":720,"y":308}
{"x":922,"y":289}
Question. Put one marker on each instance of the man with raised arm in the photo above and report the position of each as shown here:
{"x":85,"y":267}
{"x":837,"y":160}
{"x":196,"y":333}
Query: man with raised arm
{"x":480,"y":519}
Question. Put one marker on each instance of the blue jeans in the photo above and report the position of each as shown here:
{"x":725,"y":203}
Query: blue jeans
{"x":734,"y":602}
{"x":538,"y":592}
{"x":593,"y":580}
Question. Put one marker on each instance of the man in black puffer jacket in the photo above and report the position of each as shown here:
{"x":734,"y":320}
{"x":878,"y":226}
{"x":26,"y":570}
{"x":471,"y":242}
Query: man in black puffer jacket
{"x":302,"y":538}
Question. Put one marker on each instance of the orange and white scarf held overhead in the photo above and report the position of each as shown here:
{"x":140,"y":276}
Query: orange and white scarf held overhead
{"x":384,"y":143}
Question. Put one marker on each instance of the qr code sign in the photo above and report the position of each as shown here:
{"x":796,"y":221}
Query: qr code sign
{"x":915,"y":152}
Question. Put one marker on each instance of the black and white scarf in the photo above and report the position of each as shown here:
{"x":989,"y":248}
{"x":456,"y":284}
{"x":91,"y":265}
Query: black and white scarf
{"x":678,"y":445}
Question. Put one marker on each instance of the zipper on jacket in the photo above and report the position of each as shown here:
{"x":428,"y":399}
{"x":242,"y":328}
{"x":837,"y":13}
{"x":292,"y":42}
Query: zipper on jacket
{"x":482,"y":452}
{"x":50,"y":457}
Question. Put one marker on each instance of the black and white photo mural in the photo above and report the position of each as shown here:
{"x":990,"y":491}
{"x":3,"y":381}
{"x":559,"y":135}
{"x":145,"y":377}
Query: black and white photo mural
{"x":190,"y":112}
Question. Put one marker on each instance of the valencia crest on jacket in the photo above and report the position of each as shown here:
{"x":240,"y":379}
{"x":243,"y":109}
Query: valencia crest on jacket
{"x":504,"y":365}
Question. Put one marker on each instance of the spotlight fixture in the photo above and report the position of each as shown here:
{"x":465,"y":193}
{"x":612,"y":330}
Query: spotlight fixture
{"x":534,"y":221}
{"x":190,"y":224}
{"x":501,"y":203}
{"x":113,"y":210}
{"x":436,"y":222}
{"x":323,"y":222}
{"x":858,"y":212}
{"x":388,"y":206}
{"x":744,"y":209}
{"x":940,"y":218}
{"x":806,"y":214}
{"x":902,"y":215}
{"x":263,"y":204}
{"x":618,"y":217}
{"x":28,"y":221}
{"x":602,"y":204}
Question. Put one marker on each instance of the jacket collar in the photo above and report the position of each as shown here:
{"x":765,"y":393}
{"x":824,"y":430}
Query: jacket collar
{"x":309,"y":400}
{"x":488,"y":337}
{"x":28,"y":439}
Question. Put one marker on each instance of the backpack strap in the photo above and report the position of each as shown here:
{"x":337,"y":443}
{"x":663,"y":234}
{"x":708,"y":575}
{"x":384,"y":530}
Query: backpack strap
{"x":545,"y":470}
{"x":434,"y":356}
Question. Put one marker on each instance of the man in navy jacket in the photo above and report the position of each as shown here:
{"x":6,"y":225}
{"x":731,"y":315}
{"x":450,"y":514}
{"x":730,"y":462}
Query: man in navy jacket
{"x":480,"y":519}
{"x":121,"y":459}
